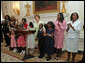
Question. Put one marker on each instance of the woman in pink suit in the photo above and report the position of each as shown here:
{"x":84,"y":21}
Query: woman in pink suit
{"x":60,"y":26}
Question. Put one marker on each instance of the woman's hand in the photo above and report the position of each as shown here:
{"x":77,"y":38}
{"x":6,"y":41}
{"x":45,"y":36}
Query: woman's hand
{"x":26,"y":29}
{"x":56,"y":29}
{"x":67,"y":29}
{"x":51,"y":35}
{"x":72,"y":26}
{"x":7,"y":34}
{"x":45,"y":34}
{"x":36,"y":39}
{"x":68,"y":25}
{"x":44,"y":31}
{"x":58,"y":24}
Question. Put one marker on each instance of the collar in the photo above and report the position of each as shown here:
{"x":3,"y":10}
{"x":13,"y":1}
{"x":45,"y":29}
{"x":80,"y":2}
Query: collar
{"x":41,"y":29}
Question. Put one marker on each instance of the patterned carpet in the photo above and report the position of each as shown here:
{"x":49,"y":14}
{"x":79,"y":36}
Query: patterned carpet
{"x":9,"y":56}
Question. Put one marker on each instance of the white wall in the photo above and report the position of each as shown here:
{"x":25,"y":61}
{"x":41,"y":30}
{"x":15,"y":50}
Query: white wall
{"x":71,"y":6}
{"x":81,"y":11}
{"x":76,"y":6}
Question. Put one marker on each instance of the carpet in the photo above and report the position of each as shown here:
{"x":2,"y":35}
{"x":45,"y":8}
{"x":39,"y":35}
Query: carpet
{"x":36,"y":59}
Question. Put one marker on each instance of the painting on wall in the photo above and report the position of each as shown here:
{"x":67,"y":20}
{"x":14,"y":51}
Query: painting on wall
{"x":40,"y":7}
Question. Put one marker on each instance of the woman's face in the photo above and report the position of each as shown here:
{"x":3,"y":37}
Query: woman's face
{"x":23,"y":21}
{"x":58,"y":16}
{"x":18,"y":27}
{"x":6,"y":17}
{"x":74,"y":17}
{"x":40,"y":26}
{"x":48,"y":25}
{"x":37,"y":18}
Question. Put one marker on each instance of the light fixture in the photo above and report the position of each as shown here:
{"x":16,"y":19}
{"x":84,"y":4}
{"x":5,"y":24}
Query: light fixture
{"x":16,"y":7}
{"x":27,"y":6}
{"x":63,"y":6}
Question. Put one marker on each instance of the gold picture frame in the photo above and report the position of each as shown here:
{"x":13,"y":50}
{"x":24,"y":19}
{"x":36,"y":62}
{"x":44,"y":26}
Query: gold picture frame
{"x":47,"y":11}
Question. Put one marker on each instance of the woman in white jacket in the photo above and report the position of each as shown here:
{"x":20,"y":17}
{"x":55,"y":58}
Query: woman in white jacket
{"x":72,"y":38}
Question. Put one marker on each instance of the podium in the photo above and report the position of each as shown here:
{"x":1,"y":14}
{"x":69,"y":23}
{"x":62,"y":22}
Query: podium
{"x":26,"y":56}
{"x":25,"y":32}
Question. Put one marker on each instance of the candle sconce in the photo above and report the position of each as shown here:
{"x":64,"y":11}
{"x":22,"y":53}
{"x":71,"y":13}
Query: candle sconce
{"x":16,"y":8}
{"x":63,"y":7}
{"x":27,"y":6}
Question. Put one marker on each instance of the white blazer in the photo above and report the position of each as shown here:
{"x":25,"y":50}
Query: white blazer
{"x":77,"y":26}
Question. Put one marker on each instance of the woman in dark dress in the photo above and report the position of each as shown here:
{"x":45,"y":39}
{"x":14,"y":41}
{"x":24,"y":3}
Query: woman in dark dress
{"x":49,"y":43}
{"x":6,"y":30}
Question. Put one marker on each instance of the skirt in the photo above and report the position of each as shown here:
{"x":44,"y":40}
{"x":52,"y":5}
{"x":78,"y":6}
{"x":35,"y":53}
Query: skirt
{"x":21,"y":41}
{"x":72,"y":44}
{"x":30,"y":41}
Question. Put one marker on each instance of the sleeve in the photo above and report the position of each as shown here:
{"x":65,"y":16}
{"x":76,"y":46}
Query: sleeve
{"x":26,"y":25}
{"x":35,"y":26}
{"x":28,"y":28}
{"x":63,"y":26}
{"x":52,"y":30}
{"x":66,"y":25}
{"x":45,"y":25}
{"x":37,"y":34}
{"x":56,"y":27}
{"x":78,"y":27}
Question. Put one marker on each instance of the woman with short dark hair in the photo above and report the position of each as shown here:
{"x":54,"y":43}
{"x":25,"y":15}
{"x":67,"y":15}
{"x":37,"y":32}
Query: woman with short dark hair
{"x":7,"y":17}
{"x":24,"y":23}
{"x":6,"y":30}
{"x":72,"y":36}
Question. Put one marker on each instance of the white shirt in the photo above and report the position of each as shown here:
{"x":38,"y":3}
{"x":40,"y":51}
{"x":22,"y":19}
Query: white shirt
{"x":77,"y":26}
{"x":41,"y":29}
{"x":36,"y":26}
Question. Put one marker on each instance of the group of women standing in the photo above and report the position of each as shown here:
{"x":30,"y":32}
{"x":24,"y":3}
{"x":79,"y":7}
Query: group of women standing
{"x":72,"y":29}
{"x":56,"y":32}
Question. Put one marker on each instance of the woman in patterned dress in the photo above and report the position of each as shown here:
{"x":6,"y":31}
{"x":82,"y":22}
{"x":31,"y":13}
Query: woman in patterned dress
{"x":60,"y":26}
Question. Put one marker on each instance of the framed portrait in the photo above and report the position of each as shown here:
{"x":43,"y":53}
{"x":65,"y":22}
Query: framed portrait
{"x":42,"y":7}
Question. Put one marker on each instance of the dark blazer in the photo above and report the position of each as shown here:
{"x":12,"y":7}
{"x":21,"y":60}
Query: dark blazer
{"x":40,"y":35}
